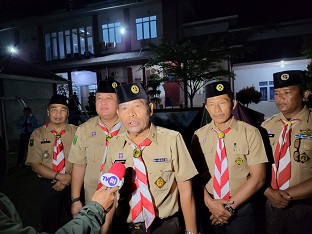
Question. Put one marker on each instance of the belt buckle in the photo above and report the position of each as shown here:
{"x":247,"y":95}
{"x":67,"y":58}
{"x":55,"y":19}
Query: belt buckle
{"x":137,"y":226}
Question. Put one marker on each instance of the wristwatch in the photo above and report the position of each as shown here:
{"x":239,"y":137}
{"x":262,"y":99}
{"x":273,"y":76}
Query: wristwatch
{"x":229,"y":208}
{"x":73,"y":200}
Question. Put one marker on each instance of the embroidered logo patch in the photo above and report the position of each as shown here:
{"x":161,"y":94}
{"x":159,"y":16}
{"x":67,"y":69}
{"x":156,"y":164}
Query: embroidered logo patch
{"x":75,"y":139}
{"x":93,"y":133}
{"x":303,"y":157}
{"x":239,"y":161}
{"x":160,"y":182}
{"x":135,"y":89}
{"x":120,"y":155}
{"x":219,"y":87}
{"x":284,"y":76}
{"x":114,"y":85}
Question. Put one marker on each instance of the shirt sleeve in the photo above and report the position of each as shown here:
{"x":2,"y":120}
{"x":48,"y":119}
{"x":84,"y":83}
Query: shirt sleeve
{"x":88,"y":220}
{"x":77,"y":153}
{"x":10,"y":221}
{"x":183,"y":163}
{"x":34,"y":154}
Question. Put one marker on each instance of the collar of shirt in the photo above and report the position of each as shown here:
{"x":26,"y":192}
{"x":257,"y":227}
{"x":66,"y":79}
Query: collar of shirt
{"x":303,"y":115}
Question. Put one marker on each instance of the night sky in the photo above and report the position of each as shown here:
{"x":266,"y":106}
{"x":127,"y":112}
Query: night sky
{"x":250,"y":12}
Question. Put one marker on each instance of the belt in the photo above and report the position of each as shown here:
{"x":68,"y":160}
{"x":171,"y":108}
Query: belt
{"x":157,"y":222}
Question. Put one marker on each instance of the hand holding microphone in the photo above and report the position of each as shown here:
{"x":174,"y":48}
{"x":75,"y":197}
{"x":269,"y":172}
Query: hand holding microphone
{"x":105,"y":197}
{"x":115,"y":176}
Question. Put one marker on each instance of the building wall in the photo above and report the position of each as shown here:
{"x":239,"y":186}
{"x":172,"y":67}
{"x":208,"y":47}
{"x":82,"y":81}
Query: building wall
{"x":251,"y":75}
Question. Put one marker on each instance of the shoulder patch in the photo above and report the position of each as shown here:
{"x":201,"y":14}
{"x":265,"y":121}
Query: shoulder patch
{"x":75,"y":139}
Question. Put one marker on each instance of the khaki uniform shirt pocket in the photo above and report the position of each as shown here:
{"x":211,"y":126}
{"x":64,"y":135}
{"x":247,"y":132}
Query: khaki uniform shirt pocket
{"x":94,"y":151}
{"x":160,"y":176}
{"x":238,"y":165}
{"x":306,"y":153}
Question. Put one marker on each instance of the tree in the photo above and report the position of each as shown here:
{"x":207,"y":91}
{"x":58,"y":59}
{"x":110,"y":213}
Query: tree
{"x":154,"y":82}
{"x":248,"y":95}
{"x":193,"y":65}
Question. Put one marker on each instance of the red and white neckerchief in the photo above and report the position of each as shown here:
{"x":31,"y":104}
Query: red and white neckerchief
{"x":142,"y":207}
{"x":58,"y":153}
{"x":109,"y":135}
{"x":221,"y":185}
{"x":281,"y":169}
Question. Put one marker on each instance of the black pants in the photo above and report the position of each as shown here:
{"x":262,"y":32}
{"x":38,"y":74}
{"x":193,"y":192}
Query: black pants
{"x":51,"y":204}
{"x":159,"y":226}
{"x":23,"y":143}
{"x":243,"y":222}
{"x":296,"y":218}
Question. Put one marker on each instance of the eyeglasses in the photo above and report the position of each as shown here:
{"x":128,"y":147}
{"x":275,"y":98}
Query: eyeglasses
{"x":297,"y":146}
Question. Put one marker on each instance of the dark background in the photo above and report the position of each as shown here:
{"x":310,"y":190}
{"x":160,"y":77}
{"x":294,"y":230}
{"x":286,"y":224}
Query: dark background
{"x":250,"y":12}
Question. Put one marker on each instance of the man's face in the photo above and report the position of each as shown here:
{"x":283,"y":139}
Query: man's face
{"x":220,"y":108}
{"x":135,"y":115}
{"x":289,"y":100}
{"x":58,"y":113}
{"x":106,"y":105}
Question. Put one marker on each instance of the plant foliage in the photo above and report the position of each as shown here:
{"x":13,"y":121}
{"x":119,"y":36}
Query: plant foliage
{"x":248,"y":95}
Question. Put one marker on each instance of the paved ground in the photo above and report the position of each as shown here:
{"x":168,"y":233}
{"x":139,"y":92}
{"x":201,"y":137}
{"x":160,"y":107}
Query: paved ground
{"x":21,"y":187}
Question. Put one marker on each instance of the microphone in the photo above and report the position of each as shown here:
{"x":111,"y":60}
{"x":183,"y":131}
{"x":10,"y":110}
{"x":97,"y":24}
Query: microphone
{"x":115,"y":176}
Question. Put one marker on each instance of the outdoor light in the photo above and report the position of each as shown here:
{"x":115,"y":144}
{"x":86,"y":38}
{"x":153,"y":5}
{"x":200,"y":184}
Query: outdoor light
{"x":12,"y":50}
{"x":122,"y":30}
{"x":282,"y":64}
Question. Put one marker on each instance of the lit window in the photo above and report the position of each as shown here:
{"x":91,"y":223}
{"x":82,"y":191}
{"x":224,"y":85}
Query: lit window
{"x":112,"y":32}
{"x":69,"y":43}
{"x":146,"y":27}
{"x":267,"y":90}
{"x":264,"y":93}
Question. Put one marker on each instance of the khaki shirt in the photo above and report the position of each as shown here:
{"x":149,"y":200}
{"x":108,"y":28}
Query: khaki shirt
{"x":42,"y":141}
{"x":300,"y":171}
{"x":244,"y":147}
{"x":88,"y":148}
{"x":167,"y":162}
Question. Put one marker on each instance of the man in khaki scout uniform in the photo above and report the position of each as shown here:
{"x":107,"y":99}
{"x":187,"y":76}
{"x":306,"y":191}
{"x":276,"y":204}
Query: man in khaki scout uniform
{"x":289,"y":204}
{"x":50,"y":163}
{"x":230,"y":157}
{"x":88,"y":151}
{"x":159,"y":170}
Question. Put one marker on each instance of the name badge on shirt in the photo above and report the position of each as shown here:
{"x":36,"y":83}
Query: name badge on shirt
{"x":160,"y":160}
{"x":270,"y":134}
{"x":121,"y":161}
{"x":44,"y":141}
